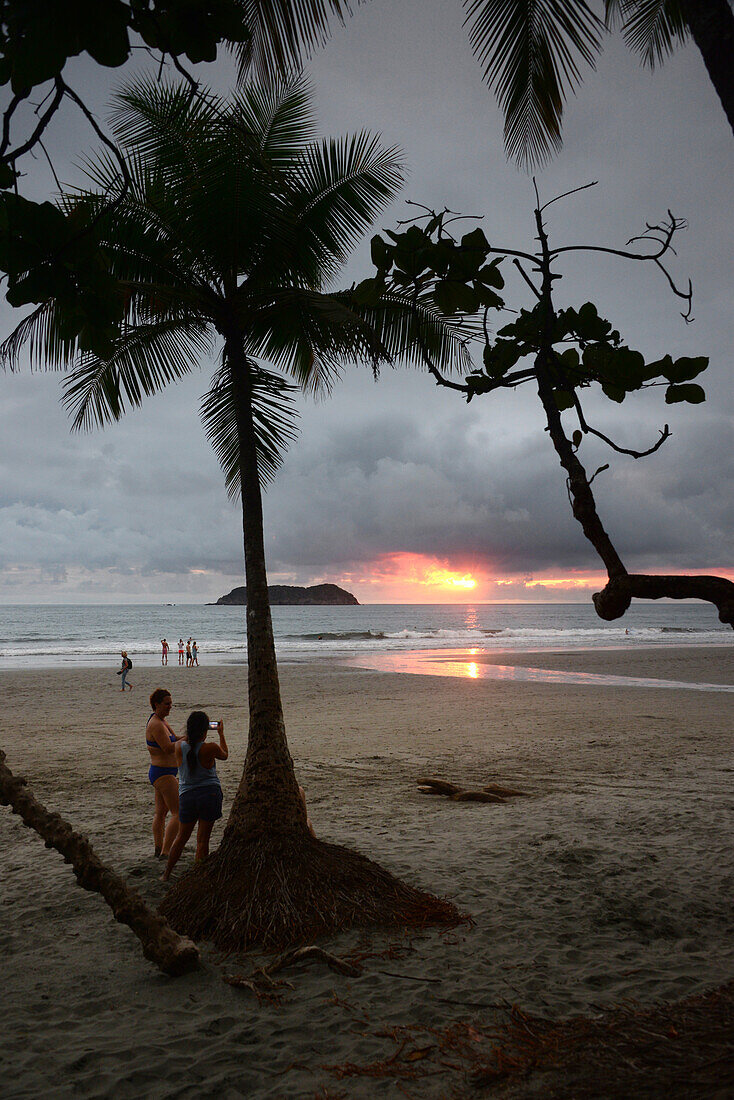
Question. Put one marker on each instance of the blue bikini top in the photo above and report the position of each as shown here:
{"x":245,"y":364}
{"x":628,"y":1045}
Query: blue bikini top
{"x":154,"y":744}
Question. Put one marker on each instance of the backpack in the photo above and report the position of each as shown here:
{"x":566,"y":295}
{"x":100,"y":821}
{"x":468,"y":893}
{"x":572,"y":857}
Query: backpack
{"x":129,"y":663}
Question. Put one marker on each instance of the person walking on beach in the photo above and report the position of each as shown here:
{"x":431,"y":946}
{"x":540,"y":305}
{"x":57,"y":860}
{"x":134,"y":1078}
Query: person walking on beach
{"x":124,"y":669}
{"x":200,"y":792}
{"x":161,"y":742}
{"x":188,"y":653}
{"x":194,"y":654}
{"x":164,"y":651}
{"x":180,"y":651}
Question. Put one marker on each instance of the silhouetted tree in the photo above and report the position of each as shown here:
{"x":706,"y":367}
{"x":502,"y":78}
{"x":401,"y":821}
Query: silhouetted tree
{"x":233,"y":222}
{"x":562,"y":351}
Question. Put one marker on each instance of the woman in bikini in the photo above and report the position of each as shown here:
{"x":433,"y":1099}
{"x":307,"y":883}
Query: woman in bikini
{"x":161,"y":741}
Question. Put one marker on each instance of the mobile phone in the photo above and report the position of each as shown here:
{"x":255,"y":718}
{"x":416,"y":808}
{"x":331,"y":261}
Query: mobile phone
{"x":214,"y":725}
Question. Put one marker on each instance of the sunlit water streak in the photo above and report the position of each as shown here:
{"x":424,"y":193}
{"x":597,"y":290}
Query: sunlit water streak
{"x":456,"y":664}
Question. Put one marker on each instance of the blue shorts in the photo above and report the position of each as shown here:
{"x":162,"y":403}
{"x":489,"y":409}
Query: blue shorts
{"x":200,"y":804}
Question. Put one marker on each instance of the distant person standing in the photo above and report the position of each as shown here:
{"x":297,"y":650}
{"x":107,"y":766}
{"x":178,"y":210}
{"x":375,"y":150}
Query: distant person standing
{"x":194,"y":654}
{"x":188,"y":653}
{"x":180,"y":651}
{"x":124,"y":669}
{"x":164,"y":651}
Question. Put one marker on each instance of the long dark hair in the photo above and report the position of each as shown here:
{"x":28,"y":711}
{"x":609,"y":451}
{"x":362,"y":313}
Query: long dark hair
{"x":197,"y":724}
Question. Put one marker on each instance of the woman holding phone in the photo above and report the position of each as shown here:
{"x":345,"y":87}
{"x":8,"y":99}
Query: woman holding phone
{"x":199,"y":789}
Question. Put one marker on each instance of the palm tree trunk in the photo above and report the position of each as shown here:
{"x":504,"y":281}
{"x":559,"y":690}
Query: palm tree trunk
{"x":711,"y":23}
{"x":268,"y":795}
{"x":271,"y":882}
{"x":161,"y":945}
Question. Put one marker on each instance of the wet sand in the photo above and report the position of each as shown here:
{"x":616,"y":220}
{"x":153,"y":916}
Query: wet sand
{"x":612,"y":881}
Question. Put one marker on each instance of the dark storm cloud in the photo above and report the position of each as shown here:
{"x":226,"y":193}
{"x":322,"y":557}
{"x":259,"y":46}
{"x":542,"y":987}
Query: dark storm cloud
{"x":487,"y":488}
{"x":400,"y":466}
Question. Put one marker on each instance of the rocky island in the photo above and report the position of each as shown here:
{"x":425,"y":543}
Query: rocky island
{"x":293,"y":596}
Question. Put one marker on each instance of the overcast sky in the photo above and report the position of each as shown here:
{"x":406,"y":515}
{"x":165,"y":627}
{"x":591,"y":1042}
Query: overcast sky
{"x":390,"y":482}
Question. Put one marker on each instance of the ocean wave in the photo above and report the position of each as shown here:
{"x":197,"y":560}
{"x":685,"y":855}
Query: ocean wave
{"x":339,"y":636}
{"x":680,"y":630}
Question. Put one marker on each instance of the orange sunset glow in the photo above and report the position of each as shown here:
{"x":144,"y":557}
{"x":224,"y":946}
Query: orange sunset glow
{"x":406,"y":577}
{"x":442,"y":578}
{"x":418,"y":578}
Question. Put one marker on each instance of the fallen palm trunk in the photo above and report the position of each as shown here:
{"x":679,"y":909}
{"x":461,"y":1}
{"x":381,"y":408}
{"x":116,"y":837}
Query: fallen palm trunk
{"x":491,"y":793}
{"x":172,"y":953}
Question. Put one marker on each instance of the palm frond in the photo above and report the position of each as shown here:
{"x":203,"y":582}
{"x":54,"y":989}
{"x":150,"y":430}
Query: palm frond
{"x":51,"y":345}
{"x":285,"y":32}
{"x":278,"y":114}
{"x":311,"y":335}
{"x":531,"y":51}
{"x":337,"y":188}
{"x":274,"y":422}
{"x":152,"y":117}
{"x":145,"y":360}
{"x":651,"y":28}
{"x":409,"y":328}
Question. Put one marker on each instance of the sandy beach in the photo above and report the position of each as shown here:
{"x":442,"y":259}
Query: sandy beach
{"x":611,"y":882}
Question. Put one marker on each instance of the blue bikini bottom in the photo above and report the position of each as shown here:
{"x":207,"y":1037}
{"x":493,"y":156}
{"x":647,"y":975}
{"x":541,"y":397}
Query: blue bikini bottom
{"x":154,"y":772}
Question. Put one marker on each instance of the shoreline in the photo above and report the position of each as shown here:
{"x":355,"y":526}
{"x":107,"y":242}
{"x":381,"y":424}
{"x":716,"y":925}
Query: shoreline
{"x":611,"y":882}
{"x":465,"y":652}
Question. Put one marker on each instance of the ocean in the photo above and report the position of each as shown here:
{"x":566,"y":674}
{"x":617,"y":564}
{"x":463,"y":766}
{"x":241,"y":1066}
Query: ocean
{"x":64,"y":635}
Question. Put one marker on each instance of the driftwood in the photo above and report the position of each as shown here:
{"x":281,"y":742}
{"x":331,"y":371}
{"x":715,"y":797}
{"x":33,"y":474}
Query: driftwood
{"x":505,"y":792}
{"x":310,"y":954}
{"x":476,"y":796}
{"x":172,"y":953}
{"x":438,"y":786}
{"x":491,"y":793}
{"x":264,"y":986}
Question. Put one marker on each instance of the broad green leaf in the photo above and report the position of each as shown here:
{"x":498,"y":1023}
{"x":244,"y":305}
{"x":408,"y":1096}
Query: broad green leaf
{"x":685,"y":368}
{"x":690,"y":392}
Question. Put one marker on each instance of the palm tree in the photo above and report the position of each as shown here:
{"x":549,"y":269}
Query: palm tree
{"x":533,"y":50}
{"x":233,"y":223}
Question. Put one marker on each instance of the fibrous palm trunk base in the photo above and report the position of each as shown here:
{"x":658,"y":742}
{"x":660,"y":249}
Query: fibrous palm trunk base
{"x":279,"y":890}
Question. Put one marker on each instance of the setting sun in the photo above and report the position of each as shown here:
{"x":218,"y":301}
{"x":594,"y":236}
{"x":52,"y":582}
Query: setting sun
{"x":444,"y":579}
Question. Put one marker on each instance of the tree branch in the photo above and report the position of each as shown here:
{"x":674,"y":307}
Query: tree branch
{"x":43,"y":122}
{"x":615,"y":598}
{"x":527,"y":279}
{"x":586,"y":428}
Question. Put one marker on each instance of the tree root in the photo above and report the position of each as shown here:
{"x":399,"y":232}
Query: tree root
{"x":491,"y":793}
{"x":172,"y":953}
{"x":278,"y":890}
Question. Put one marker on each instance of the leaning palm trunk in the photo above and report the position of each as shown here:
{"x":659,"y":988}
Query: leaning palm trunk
{"x":172,"y":953}
{"x":271,"y":883}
